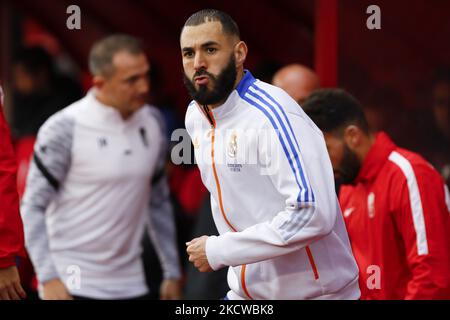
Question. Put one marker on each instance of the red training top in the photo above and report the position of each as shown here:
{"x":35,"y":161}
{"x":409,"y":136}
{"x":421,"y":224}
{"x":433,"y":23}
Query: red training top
{"x":11,"y":228}
{"x":398,"y":221}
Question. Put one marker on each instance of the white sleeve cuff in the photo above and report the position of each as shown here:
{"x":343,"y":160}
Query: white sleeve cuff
{"x":213,"y":253}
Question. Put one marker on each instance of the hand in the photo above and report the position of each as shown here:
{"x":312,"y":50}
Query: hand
{"x":56,"y":290}
{"x":196,"y":249}
{"x":170,"y":289}
{"x":10,"y":288}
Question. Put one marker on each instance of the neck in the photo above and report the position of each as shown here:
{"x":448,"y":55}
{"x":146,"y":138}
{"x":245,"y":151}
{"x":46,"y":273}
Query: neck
{"x":240,"y":75}
{"x":365,"y":147}
{"x":103,"y":99}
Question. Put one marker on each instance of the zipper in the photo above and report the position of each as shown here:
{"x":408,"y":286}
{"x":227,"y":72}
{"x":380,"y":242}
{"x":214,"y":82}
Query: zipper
{"x":209,"y":116}
{"x":312,"y":263}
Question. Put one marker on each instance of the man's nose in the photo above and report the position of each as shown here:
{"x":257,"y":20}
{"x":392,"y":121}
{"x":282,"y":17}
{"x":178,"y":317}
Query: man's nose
{"x":144,"y":86}
{"x":199,"y":62}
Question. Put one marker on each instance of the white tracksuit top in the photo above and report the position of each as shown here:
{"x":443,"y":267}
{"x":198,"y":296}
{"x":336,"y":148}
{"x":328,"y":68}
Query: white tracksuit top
{"x":95,"y":185}
{"x":273,"y":198}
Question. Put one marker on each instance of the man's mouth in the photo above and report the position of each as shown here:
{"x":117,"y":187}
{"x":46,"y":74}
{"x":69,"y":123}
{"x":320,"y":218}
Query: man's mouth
{"x":201,"y":80}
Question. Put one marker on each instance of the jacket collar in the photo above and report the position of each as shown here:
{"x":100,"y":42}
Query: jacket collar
{"x":376,"y":157}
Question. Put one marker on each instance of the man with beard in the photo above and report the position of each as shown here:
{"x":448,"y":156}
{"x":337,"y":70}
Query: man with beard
{"x":395,"y":204}
{"x":266,"y":166}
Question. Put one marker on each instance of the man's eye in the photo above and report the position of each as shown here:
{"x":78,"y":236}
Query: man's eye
{"x":188,"y":54}
{"x":132,"y":80}
{"x":211,"y":50}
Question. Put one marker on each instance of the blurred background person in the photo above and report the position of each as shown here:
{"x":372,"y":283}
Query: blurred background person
{"x":297,"y":80}
{"x":11,"y":228}
{"x":441,"y":102}
{"x":435,"y":124}
{"x":97,"y":183}
{"x":39,"y":90}
{"x":384,"y":110}
{"x":441,"y":113}
{"x":393,"y":203}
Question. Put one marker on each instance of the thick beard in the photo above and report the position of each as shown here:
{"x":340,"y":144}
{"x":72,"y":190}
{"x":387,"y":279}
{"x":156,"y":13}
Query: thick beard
{"x":350,"y":167}
{"x":223,"y":84}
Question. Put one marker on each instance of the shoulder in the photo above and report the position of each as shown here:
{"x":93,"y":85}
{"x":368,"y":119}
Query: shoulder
{"x":191,"y":110}
{"x":269,"y":95}
{"x":409,"y":163}
{"x":410,"y":172}
{"x":56,"y":134}
{"x":69,"y":114}
{"x":192,"y":115}
{"x":61,"y":122}
{"x":153,"y":119}
{"x":278,"y":107}
{"x":153,"y":113}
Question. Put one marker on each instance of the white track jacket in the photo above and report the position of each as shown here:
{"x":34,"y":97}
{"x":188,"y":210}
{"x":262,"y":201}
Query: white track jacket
{"x":273,"y":198}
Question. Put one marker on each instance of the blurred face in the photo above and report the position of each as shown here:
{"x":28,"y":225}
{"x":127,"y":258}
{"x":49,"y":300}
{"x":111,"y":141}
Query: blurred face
{"x":345,"y":162}
{"x":298,"y":81}
{"x":127,"y":87}
{"x":298,"y":86}
{"x":441,"y":106}
{"x":209,"y":63}
{"x":23,"y":81}
{"x":300,"y":94}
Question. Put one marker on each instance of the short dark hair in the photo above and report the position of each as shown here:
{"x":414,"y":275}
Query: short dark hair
{"x":229,"y":26}
{"x":103,"y":51}
{"x":334,"y":109}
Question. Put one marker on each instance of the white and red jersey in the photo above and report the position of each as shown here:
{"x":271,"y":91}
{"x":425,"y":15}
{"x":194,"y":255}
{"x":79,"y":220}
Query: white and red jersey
{"x":397,"y":217}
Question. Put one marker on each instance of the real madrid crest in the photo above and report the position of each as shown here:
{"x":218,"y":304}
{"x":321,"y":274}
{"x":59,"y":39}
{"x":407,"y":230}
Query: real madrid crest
{"x":232,"y":146}
{"x":196,"y":143}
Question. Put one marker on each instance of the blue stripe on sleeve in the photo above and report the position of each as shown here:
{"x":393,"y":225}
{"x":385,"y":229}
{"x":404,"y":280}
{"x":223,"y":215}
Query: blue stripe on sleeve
{"x":290,"y":128}
{"x":283,"y":144}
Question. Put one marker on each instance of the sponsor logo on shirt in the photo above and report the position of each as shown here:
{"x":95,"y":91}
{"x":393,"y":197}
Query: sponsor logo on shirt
{"x":102,"y":142}
{"x":144,"y":138}
{"x":371,"y":205}
{"x":196,"y":143}
{"x":348,"y":212}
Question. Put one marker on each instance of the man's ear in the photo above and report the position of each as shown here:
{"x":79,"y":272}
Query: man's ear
{"x":353,"y":137}
{"x":98,"y":81}
{"x":240,"y":53}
